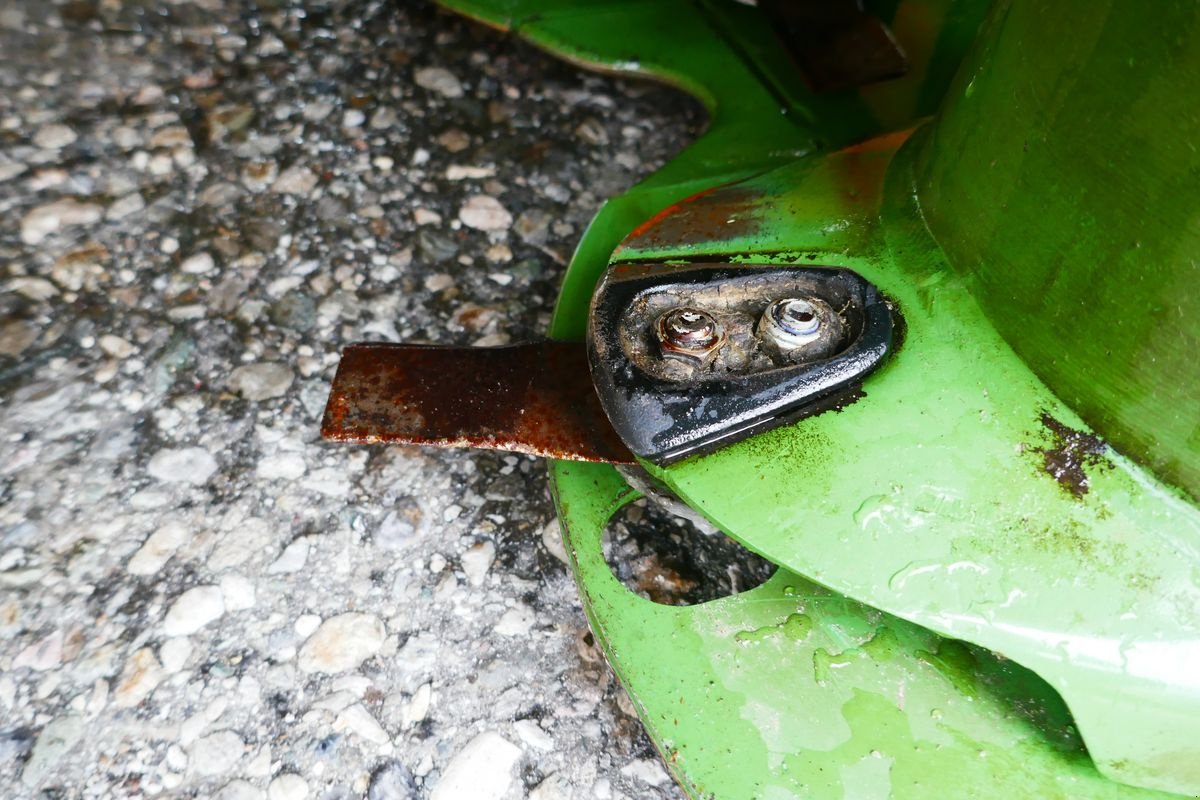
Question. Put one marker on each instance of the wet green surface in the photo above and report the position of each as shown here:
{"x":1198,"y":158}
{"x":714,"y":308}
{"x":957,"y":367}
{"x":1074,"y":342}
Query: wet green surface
{"x":961,"y":495}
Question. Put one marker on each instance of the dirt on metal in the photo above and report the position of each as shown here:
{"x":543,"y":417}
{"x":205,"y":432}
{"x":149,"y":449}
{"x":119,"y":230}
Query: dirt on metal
{"x":533,"y":398}
{"x":1069,"y":452}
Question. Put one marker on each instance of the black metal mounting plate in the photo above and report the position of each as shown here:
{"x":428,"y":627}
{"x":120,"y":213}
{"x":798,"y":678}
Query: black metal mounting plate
{"x":665,"y":413}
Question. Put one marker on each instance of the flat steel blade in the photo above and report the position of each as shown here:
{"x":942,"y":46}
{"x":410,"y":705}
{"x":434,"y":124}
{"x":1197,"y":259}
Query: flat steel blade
{"x":534,"y":398}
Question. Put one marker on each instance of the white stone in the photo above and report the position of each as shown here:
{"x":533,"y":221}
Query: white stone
{"x":177,"y":758}
{"x":237,"y":592}
{"x":553,"y":542}
{"x":54,"y":136}
{"x":647,"y":771}
{"x":483,"y":770}
{"x":356,"y":718}
{"x":245,"y":540}
{"x":158,"y":548}
{"x":353,"y":118}
{"x":416,"y":709}
{"x":33,"y":288}
{"x":198,"y":264}
{"x":126,"y":206}
{"x":281,"y":466}
{"x":424,"y":216}
{"x":439,"y":80}
{"x":477,"y":561}
{"x":306,"y":624}
{"x":193,"y":465}
{"x":53,"y":217}
{"x":216,"y":754}
{"x":141,"y":676}
{"x":295,"y":180}
{"x":317,"y":111}
{"x":484,"y":212}
{"x":175,"y":653}
{"x":194,"y":609}
{"x":288,"y":786}
{"x":342,"y":643}
{"x":461,"y":172}
{"x":115,"y":346}
{"x":293,"y":558}
{"x":532,"y":734}
{"x":261,"y":381}
{"x":53,"y":743}
{"x":516,"y":621}
{"x":42,"y":655}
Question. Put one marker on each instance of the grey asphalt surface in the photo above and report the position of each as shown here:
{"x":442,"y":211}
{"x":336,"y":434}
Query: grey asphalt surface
{"x":200,"y":204}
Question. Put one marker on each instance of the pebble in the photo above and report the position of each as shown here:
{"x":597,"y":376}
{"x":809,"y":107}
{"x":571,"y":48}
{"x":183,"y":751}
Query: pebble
{"x":174,"y":654}
{"x":281,"y":466}
{"x":306,"y":625}
{"x":416,"y":709}
{"x":483,"y":770}
{"x":353,"y":119}
{"x":356,"y":718}
{"x":553,"y":542}
{"x":440,"y":80}
{"x":17,"y":335}
{"x":295,"y":180}
{"x":342,"y":643}
{"x":41,"y":655}
{"x":216,"y":753}
{"x":125,"y":207}
{"x":51,"y":218}
{"x":288,"y":786}
{"x":516,"y":621}
{"x":198,"y":264}
{"x":54,"y":136}
{"x":158,"y":548}
{"x":293,"y":558}
{"x":532,"y":734}
{"x":53,"y":743}
{"x":484,"y":212}
{"x":33,"y":288}
{"x":257,"y":382}
{"x":477,"y":561}
{"x":194,"y":609}
{"x":646,"y":771}
{"x":237,"y":591}
{"x":115,"y":346}
{"x":193,"y":465}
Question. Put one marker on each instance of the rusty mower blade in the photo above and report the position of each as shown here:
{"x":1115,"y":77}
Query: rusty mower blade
{"x":532,"y":398}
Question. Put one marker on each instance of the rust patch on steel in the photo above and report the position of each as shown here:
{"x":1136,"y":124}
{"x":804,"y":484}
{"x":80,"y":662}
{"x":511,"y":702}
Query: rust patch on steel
{"x":711,"y":216}
{"x":533,"y":398}
{"x":1071,"y":451}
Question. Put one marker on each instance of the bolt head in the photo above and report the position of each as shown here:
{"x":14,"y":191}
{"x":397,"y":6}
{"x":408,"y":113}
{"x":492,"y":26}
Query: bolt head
{"x":688,"y":331}
{"x":793,"y":322}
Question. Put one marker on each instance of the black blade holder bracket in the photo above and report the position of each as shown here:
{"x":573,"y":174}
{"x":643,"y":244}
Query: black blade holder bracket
{"x":690,"y":357}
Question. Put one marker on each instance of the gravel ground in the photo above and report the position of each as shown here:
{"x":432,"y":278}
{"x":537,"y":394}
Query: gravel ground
{"x":202,"y":202}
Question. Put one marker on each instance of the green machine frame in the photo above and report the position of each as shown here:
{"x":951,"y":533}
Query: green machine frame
{"x":989,"y":574}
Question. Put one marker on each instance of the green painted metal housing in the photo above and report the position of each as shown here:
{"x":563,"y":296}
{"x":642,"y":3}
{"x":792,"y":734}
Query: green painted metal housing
{"x":975,"y":596}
